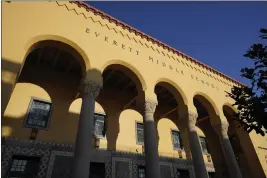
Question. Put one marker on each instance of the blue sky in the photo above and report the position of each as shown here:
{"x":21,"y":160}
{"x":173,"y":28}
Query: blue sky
{"x":215,"y":33}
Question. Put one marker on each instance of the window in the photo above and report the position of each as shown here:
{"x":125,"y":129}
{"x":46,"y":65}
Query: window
{"x":176,"y":140}
{"x":141,"y":172}
{"x":140,"y":133}
{"x":204,"y":146}
{"x":183,"y":173}
{"x":23,"y":167}
{"x":99,"y":125}
{"x":38,"y":114}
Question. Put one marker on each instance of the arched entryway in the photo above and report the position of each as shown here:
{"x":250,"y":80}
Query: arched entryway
{"x":207,"y":117}
{"x":242,"y":145}
{"x":57,"y":68}
{"x":122,"y":89}
{"x":171,"y":124}
{"x":48,"y":83}
{"x":171,"y":105}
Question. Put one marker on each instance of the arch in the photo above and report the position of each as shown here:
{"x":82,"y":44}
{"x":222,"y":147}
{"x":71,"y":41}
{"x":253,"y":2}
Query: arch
{"x":242,"y":144}
{"x":77,"y":51}
{"x":165,"y":126}
{"x":18,"y":106}
{"x":181,"y":95}
{"x":229,"y":108}
{"x":128,"y":118}
{"x":129,"y":67}
{"x":208,"y":103}
{"x":19,"y":103}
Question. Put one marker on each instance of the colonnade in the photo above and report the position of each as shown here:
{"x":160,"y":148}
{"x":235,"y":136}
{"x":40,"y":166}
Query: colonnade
{"x":83,"y":147}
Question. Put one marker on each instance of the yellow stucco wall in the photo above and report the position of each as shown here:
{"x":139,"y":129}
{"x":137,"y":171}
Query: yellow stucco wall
{"x":100,"y":43}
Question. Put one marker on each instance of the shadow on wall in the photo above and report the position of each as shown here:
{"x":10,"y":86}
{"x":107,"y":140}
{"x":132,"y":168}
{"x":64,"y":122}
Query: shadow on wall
{"x":215,"y":148}
{"x":61,"y":90}
{"x":9,"y":77}
{"x":51,"y":86}
{"x":113,"y":111}
{"x":179,"y":118}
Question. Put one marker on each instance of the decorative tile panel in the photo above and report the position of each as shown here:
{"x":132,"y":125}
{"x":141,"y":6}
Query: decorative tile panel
{"x":137,"y":163}
{"x":9,"y":151}
{"x":60,"y":163}
{"x":14,"y":146}
{"x":52,"y":165}
{"x":108,"y":167}
{"x":166,"y":170}
{"x":120,"y":166}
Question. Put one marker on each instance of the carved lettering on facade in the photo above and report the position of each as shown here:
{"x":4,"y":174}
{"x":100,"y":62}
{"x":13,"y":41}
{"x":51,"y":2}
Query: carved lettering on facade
{"x":163,"y":64}
{"x":106,"y":38}
{"x":97,"y":34}
{"x":115,"y":43}
{"x":87,"y":30}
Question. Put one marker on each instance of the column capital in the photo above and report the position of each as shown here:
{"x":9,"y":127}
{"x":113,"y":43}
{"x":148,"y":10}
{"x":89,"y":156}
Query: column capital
{"x":150,"y":105}
{"x":91,"y":87}
{"x":221,"y":128}
{"x":192,"y":118}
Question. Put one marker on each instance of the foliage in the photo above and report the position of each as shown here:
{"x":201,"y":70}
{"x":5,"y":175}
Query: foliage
{"x":251,"y":101}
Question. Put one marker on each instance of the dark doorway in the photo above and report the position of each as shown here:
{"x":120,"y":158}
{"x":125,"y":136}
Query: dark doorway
{"x":183,"y":173}
{"x":97,"y":170}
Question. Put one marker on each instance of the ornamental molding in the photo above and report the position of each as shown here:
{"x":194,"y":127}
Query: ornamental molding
{"x":150,"y":105}
{"x":221,"y":129}
{"x":92,"y":88}
{"x":36,"y":143}
{"x":192,"y":118}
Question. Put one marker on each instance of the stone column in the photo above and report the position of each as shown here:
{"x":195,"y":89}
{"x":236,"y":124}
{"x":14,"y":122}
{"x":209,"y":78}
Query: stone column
{"x":150,"y":138}
{"x":196,"y":150}
{"x":83,"y":145}
{"x":233,"y":168}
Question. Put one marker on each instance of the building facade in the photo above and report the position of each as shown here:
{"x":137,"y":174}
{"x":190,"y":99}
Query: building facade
{"x":85,"y":94}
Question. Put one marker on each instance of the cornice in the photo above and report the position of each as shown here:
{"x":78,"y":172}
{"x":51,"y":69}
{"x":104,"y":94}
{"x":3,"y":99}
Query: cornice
{"x":153,"y":40}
